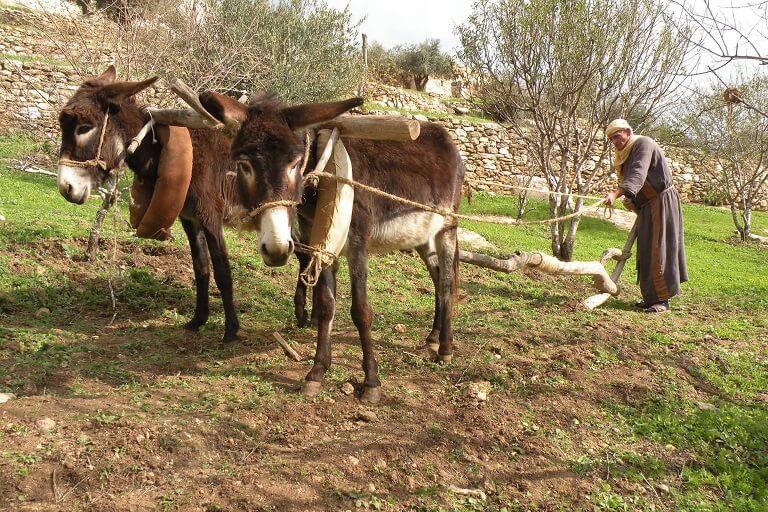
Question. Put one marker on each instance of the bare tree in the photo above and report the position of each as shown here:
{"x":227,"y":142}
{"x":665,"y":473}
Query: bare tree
{"x":559,"y":70}
{"x":735,"y":136}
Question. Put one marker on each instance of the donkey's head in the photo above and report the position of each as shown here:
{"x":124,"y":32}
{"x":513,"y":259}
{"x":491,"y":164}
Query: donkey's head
{"x":92,"y":140}
{"x":268,"y":150}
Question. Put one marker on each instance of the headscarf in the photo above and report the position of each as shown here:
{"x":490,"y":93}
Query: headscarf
{"x":620,"y":155}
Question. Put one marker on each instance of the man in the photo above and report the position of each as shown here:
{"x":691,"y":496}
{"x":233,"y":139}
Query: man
{"x":648,"y":190}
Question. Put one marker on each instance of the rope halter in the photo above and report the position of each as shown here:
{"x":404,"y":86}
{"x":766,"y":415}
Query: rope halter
{"x":258,"y":210}
{"x":94,"y":162}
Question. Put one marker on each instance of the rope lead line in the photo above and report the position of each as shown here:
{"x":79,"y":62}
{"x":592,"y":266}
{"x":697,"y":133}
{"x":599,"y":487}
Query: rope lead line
{"x":450,"y":214}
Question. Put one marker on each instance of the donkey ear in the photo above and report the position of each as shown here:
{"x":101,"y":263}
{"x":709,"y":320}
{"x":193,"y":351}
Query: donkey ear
{"x":108,"y":75}
{"x":227,"y":110}
{"x":115,"y":93}
{"x":303,"y":116}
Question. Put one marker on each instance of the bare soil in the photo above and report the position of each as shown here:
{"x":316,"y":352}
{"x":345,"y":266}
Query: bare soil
{"x":147,"y":416}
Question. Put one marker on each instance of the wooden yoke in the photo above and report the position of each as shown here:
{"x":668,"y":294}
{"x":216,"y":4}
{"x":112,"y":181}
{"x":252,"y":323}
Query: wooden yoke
{"x":333,"y":211}
{"x":155,"y":206}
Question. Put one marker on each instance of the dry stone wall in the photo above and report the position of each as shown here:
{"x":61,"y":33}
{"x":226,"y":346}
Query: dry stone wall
{"x":34,"y":87}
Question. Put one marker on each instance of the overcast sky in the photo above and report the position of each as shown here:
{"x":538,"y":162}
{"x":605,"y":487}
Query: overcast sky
{"x":393,"y":22}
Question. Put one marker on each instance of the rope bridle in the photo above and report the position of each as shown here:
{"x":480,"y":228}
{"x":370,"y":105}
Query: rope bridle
{"x":258,"y":210}
{"x":94,"y":162}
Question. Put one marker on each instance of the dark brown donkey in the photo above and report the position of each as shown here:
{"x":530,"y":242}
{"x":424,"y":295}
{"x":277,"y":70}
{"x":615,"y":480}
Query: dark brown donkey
{"x":268,"y":150}
{"x":212,"y":198}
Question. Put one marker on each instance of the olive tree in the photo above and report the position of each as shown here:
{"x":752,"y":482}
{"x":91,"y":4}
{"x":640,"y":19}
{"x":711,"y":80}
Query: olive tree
{"x":302,"y":50}
{"x":734,"y":135}
{"x":420,"y":61}
{"x":559,"y":70}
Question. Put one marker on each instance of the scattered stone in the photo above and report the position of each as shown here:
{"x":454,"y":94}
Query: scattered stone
{"x":42,"y":311}
{"x":419,"y":117}
{"x":662,"y":488}
{"x":479,"y":390}
{"x":45,"y":425}
{"x":367,"y":416}
{"x":462,"y":111}
{"x":4,"y":397}
{"x":670,"y":447}
{"x":399,"y":328}
{"x":705,"y":406}
{"x":353,"y":461}
{"x":347,"y":388}
{"x":371,"y":487}
{"x":2,"y":218}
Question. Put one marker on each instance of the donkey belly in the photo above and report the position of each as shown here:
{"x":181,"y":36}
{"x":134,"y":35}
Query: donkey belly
{"x":405,"y":232}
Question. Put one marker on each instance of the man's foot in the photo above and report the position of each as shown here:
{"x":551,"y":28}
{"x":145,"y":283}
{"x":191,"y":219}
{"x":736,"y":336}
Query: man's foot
{"x":659,"y":307}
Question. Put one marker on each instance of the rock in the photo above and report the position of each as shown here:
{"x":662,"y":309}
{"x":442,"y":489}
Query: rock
{"x":367,"y":416}
{"x":705,"y":406}
{"x":399,"y":328}
{"x":479,"y":390}
{"x":662,"y":488}
{"x":2,"y":218}
{"x":45,"y":425}
{"x":353,"y":461}
{"x":4,"y":397}
{"x":347,"y":388}
{"x":42,"y":311}
{"x":419,"y":117}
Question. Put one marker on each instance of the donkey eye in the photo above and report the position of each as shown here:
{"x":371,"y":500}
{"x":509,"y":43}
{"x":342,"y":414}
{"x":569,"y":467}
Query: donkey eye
{"x":243,"y":167}
{"x":82,"y":129}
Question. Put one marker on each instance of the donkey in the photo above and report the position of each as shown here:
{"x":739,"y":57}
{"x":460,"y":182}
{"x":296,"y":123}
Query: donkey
{"x":268,"y":149}
{"x":96,"y":125}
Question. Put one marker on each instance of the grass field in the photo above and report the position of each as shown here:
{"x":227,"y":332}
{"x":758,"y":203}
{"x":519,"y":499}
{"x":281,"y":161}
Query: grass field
{"x":610,"y":409}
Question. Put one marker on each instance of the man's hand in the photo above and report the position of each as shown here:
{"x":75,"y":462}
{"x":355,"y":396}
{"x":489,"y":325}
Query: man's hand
{"x":611,"y":196}
{"x":628,"y":204}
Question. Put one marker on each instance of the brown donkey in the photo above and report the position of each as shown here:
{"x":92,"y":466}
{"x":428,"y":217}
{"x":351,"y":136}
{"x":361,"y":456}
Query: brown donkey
{"x":97,"y":124}
{"x":268,"y":151}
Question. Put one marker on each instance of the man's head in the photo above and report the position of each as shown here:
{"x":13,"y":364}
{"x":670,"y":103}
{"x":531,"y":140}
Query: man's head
{"x":618,"y":132}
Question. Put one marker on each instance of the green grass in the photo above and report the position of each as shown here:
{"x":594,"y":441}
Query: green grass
{"x":35,"y":59}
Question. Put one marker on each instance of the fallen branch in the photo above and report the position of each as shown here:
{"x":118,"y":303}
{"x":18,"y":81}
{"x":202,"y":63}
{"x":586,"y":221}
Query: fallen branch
{"x":596,"y":300}
{"x":758,"y":238}
{"x":286,"y":347}
{"x":546,"y":264}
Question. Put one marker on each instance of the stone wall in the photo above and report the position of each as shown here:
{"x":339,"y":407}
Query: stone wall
{"x":33,"y":91}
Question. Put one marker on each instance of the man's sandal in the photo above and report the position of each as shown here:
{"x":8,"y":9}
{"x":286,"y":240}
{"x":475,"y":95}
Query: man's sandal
{"x":659,"y":307}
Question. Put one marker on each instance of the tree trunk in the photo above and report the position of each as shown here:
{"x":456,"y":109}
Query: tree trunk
{"x":421,"y":82}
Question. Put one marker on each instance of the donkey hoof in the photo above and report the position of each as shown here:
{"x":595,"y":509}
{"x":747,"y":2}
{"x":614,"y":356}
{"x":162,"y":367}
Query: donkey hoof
{"x":230,"y":338}
{"x":192,"y":325}
{"x":311,"y":388}
{"x":444,"y":358}
{"x":371,"y":395}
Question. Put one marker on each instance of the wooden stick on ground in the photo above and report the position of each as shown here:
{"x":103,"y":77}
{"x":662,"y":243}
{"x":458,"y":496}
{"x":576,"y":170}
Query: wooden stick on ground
{"x":286,"y":347}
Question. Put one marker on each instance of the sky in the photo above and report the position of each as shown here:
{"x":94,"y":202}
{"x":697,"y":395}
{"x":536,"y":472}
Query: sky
{"x":393,"y":22}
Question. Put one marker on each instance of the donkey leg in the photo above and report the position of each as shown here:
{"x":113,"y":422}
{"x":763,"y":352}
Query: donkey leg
{"x":201,"y":266}
{"x":428,"y":255}
{"x":362,"y":316}
{"x":300,"y":295}
{"x":448,"y":256}
{"x":324,"y":303}
{"x":222,"y":274}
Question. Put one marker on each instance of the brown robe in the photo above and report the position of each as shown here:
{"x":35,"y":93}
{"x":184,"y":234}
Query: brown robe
{"x":646,"y":180}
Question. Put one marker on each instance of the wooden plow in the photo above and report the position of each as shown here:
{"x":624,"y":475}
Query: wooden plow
{"x":333,"y":160}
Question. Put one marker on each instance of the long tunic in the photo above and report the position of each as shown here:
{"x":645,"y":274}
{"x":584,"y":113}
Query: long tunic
{"x":646,"y":180}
